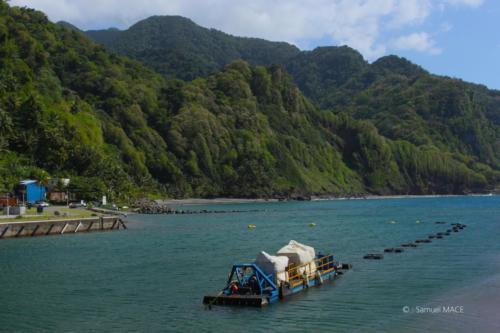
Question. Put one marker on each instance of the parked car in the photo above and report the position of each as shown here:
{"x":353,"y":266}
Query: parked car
{"x":78,"y":204}
{"x":42,"y":203}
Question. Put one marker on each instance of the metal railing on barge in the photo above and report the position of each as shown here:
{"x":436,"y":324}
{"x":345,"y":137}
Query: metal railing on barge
{"x":298,"y":274}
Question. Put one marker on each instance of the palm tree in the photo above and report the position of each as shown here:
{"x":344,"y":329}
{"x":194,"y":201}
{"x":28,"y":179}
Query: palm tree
{"x":5,"y":129}
{"x":41,"y":176}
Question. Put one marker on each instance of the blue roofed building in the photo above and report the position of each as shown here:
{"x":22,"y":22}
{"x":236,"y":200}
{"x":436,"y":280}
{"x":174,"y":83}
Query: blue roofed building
{"x":30,"y":191}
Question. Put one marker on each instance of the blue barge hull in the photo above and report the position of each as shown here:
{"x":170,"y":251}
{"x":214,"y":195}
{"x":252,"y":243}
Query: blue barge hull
{"x":256,"y":289}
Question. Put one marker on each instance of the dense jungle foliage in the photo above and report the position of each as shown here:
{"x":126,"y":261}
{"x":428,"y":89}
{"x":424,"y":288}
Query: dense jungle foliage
{"x":401,"y":99}
{"x":178,"y":48}
{"x":69,"y":108}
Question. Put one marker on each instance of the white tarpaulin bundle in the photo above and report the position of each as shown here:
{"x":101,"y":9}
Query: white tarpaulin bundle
{"x":297,"y":253}
{"x":271,"y":264}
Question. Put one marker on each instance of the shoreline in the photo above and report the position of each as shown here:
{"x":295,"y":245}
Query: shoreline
{"x":202,"y":201}
{"x":59,"y":227}
{"x":205,"y":201}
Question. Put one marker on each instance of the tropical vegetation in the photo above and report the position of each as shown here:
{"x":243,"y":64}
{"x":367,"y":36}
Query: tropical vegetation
{"x":71,"y":108}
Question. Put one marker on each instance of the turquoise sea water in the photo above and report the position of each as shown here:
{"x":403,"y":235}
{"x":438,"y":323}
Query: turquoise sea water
{"x":153,"y":276}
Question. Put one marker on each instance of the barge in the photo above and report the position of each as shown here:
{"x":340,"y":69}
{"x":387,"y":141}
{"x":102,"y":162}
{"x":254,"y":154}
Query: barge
{"x":262,"y":282}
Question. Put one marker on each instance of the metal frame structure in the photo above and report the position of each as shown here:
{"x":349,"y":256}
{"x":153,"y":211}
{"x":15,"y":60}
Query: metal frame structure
{"x":239,"y":273}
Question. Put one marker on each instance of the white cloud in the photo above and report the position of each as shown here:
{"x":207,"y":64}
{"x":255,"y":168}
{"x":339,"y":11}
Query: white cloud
{"x":470,"y":3}
{"x":410,"y":12}
{"x":417,"y":41}
{"x":361,"y":24}
{"x":446,"y":27}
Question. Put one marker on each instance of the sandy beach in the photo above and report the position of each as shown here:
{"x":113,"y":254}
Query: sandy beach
{"x":202,"y":201}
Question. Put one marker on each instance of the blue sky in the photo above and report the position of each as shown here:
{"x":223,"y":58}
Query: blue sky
{"x":470,"y":50}
{"x":457,"y":38}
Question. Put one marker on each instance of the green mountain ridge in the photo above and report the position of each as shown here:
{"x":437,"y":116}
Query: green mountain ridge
{"x":70,"y":26}
{"x":404,"y":101}
{"x":103,"y":36}
{"x":178,"y":48}
{"x":70,"y":108}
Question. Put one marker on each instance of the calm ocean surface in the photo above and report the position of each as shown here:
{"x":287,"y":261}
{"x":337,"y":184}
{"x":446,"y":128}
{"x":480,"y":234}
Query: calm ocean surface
{"x":153,"y":276}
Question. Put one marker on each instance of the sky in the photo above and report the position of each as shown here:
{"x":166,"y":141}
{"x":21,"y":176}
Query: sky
{"x":457,"y":38}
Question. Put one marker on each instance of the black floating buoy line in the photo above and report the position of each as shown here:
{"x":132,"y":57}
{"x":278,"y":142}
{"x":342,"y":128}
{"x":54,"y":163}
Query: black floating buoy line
{"x":376,"y":256}
{"x":455,"y":227}
{"x":346,"y":266}
{"x":393,"y":250}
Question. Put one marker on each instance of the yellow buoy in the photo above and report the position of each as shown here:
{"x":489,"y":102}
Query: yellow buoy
{"x":417,"y":222}
{"x":252,"y":226}
{"x":312,"y":224}
{"x":392,"y":222}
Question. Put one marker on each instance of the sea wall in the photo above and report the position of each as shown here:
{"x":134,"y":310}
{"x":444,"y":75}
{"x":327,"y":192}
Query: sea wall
{"x":60,"y":227}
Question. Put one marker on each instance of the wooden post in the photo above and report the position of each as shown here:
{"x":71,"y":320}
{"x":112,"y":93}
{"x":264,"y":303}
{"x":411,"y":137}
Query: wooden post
{"x":50,"y":229}
{"x":123,"y":224}
{"x":19,"y":231}
{"x":78,"y":226}
{"x":101,"y":222}
{"x":4,"y":231}
{"x":64,"y":228}
{"x":90,"y":225}
{"x":35,"y":230}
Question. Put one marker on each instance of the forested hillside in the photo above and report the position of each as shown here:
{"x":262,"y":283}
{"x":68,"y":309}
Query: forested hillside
{"x":63,"y":101}
{"x":69,"y":108}
{"x":402,"y":100}
{"x":178,"y":48}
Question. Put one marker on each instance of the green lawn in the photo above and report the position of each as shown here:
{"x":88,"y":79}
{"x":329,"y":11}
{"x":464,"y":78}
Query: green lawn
{"x":48,"y":214}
